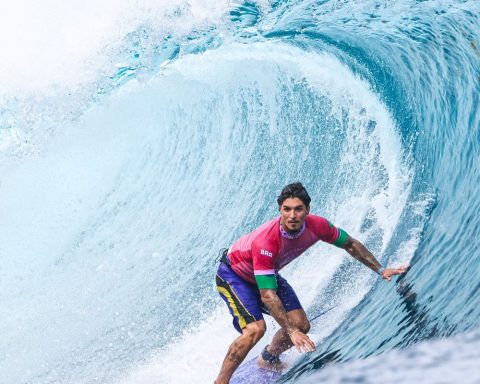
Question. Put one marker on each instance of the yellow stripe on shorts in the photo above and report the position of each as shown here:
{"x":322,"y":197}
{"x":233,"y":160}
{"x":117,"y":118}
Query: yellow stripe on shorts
{"x":231,"y":301}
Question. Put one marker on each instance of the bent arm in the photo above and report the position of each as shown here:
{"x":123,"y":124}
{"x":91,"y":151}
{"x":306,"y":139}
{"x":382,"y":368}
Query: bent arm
{"x":276,"y":309}
{"x":300,"y":340}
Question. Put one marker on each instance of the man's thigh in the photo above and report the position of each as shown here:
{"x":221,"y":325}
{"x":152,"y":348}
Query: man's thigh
{"x":287,"y":295}
{"x":242,"y":298}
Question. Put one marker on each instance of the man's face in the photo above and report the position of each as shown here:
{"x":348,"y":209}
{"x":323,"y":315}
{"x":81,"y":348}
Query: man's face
{"x":293,"y":213}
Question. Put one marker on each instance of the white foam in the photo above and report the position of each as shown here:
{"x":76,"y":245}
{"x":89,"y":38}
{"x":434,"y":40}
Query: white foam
{"x":56,"y":45}
{"x":197,"y":355}
{"x":179,"y":362}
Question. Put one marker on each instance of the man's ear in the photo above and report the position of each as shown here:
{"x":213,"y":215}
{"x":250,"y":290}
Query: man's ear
{"x":308,"y":210}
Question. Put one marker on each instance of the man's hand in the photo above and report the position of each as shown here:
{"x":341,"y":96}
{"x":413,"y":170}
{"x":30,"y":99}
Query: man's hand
{"x":388,"y":273}
{"x":301,"y":341}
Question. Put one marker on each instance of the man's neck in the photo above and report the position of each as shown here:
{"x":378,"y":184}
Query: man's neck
{"x":286,"y":234}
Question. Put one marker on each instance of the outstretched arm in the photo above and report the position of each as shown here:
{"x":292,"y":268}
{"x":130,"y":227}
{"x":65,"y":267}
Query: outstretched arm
{"x":356,"y":249}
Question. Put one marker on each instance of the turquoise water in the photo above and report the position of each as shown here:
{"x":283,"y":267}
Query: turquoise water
{"x":126,"y":163}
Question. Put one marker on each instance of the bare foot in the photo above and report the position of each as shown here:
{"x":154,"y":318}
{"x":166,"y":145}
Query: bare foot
{"x":277,"y":367}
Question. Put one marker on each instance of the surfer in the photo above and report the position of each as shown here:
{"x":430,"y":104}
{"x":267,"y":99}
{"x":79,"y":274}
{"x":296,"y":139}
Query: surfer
{"x":248,"y":279}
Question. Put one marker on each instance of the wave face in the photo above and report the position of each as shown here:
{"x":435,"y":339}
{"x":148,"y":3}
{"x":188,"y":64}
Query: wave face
{"x":170,"y":135}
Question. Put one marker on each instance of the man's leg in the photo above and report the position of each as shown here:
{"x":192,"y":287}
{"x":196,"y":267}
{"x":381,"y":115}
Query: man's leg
{"x":239,"y":349}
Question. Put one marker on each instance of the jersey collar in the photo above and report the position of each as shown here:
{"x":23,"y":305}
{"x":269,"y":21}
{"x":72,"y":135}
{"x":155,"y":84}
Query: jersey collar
{"x":292,"y":235}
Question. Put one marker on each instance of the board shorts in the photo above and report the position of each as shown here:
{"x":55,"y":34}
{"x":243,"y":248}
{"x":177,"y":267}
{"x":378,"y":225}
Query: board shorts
{"x":243,"y":298}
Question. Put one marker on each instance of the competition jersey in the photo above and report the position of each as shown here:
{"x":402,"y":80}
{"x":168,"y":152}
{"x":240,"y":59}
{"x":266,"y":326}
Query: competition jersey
{"x":265,"y":251}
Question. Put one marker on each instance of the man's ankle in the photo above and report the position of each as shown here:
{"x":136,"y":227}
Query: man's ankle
{"x":269,"y":357}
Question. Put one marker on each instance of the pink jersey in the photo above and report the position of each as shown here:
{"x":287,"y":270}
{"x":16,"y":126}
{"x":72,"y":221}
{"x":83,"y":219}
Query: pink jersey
{"x":265,"y":251}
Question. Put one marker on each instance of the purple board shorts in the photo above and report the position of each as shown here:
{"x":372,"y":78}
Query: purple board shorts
{"x":243,"y":298}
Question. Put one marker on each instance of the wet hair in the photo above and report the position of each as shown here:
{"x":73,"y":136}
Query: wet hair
{"x":294,"y":190}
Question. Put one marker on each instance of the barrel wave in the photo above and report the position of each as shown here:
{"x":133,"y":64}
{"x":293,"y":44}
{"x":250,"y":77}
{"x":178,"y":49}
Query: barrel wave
{"x":121,"y":180}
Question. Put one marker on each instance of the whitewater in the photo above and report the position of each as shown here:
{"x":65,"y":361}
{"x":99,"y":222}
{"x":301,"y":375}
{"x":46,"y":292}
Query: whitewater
{"x":137,"y":138}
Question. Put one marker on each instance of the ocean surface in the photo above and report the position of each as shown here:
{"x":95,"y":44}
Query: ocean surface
{"x":137,"y":138}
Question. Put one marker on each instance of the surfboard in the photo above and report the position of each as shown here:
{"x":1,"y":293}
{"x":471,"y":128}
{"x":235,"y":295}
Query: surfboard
{"x":250,"y":373}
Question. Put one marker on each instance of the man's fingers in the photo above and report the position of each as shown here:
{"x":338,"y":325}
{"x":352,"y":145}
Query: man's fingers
{"x":305,"y":343}
{"x":309,"y":346}
{"x":394,"y":271}
{"x":299,"y":347}
{"x":388,"y":273}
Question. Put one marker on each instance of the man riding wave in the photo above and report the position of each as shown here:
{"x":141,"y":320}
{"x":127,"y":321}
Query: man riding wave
{"x":249,"y":283}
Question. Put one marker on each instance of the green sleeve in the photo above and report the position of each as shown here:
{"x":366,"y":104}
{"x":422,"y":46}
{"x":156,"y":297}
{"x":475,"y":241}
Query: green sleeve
{"x":341,"y":239}
{"x":266,"y":281}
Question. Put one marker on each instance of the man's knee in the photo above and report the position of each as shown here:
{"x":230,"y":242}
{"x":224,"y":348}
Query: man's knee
{"x":304,"y":326}
{"x":299,"y":319}
{"x":255,"y":330}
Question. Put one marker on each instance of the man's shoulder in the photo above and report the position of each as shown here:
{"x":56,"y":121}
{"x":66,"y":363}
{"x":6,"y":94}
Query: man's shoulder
{"x":316,"y":219}
{"x":323,"y":228}
{"x":267,"y":236}
{"x":318,"y":224}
